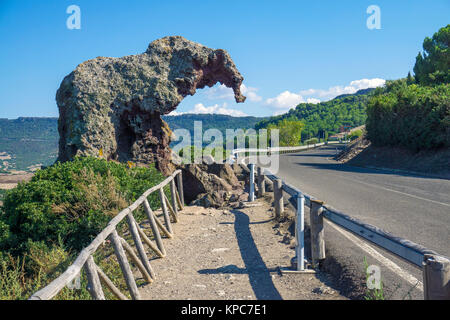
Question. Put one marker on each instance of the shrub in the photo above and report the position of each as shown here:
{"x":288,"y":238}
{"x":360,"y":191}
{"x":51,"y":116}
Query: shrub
{"x":46,"y":221}
{"x":355,"y":135}
{"x":415,"y":117}
{"x":311,"y":141}
{"x":71,"y":202}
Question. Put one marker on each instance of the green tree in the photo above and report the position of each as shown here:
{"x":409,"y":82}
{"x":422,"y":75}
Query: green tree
{"x":409,"y":79}
{"x":433,"y":65}
{"x":290,"y":131}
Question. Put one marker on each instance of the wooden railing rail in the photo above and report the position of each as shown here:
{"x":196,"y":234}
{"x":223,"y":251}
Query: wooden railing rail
{"x":85,"y":259}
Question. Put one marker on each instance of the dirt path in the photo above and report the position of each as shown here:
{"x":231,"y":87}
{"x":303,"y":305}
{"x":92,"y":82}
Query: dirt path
{"x":230,"y":254}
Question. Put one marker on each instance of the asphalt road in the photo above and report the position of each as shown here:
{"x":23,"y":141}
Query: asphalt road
{"x":413,"y":207}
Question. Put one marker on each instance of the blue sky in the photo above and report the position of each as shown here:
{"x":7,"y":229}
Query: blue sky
{"x":287,"y":51}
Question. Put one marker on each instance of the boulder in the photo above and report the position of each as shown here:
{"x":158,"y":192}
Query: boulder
{"x":113,"y":106}
{"x":212,"y":185}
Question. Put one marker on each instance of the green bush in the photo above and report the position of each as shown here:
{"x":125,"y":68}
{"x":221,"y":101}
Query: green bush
{"x":355,"y":135}
{"x":71,"y":201}
{"x":311,"y":141}
{"x":415,"y":117}
{"x":2,"y":194}
{"x":45,"y":222}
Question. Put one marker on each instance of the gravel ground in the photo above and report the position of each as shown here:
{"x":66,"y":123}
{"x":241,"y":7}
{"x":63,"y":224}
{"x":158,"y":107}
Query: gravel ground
{"x":232,"y":254}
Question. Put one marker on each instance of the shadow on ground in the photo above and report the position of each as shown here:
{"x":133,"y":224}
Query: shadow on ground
{"x":258,"y":273}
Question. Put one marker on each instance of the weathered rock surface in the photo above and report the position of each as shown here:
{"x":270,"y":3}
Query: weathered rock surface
{"x":211,"y":185}
{"x":115,"y":104}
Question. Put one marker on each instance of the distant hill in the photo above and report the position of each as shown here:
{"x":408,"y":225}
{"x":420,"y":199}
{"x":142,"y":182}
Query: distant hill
{"x":27,"y":142}
{"x":327,"y":117}
{"x":217,"y":121}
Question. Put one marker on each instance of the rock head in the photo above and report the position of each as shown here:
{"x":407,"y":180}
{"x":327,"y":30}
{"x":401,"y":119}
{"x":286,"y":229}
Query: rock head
{"x":115,"y":104}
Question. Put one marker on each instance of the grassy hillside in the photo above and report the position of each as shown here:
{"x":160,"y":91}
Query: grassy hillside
{"x":326,"y":118}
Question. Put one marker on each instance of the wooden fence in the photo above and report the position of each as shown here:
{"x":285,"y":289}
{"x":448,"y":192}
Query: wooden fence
{"x":435,"y":267}
{"x":95,"y":275}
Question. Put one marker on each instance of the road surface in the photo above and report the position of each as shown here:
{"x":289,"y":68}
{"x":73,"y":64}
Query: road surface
{"x":413,"y":207}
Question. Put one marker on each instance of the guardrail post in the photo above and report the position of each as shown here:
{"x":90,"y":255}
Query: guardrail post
{"x":278,"y":197}
{"x":436,"y":277}
{"x":317,"y":231}
{"x":251,"y":194}
{"x":299,"y":231}
{"x":261,"y":183}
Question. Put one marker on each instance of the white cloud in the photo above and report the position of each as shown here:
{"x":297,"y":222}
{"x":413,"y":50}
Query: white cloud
{"x":312,"y":100}
{"x":250,"y":93}
{"x":200,"y":108}
{"x":286,"y":100}
{"x":333,"y":92}
{"x":223,"y":92}
{"x":219,"y":92}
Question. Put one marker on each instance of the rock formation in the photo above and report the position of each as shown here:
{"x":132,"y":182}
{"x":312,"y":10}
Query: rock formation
{"x":115,"y":104}
{"x":213,"y":185}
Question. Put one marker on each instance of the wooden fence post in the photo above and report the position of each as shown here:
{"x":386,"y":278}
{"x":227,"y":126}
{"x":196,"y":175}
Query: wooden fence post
{"x":165,"y":210}
{"x":180,"y":187}
{"x":173,"y":194}
{"x":135,"y":259}
{"x":261,"y":183}
{"x":317,"y":231}
{"x":94,"y":285}
{"x":278,"y":197}
{"x":124,"y":265}
{"x":436,"y":277}
{"x":153,"y":225}
{"x":133,"y":226}
{"x":110,"y":285}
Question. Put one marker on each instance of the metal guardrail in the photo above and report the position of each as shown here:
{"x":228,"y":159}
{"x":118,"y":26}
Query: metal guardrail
{"x":270,"y":150}
{"x":85,"y":258}
{"x":436,"y":268}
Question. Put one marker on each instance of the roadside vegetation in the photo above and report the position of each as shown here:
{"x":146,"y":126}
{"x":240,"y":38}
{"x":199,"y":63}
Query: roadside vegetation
{"x":414,"y":112}
{"x":45,"y":222}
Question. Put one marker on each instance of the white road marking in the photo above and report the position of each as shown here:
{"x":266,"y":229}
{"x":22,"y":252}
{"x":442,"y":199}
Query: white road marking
{"x":377,"y":255}
{"x":392,"y":190}
{"x":403,"y":193}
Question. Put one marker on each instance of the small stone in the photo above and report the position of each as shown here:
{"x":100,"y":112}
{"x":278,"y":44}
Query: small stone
{"x":220,"y":292}
{"x":317,"y":290}
{"x":286,"y":239}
